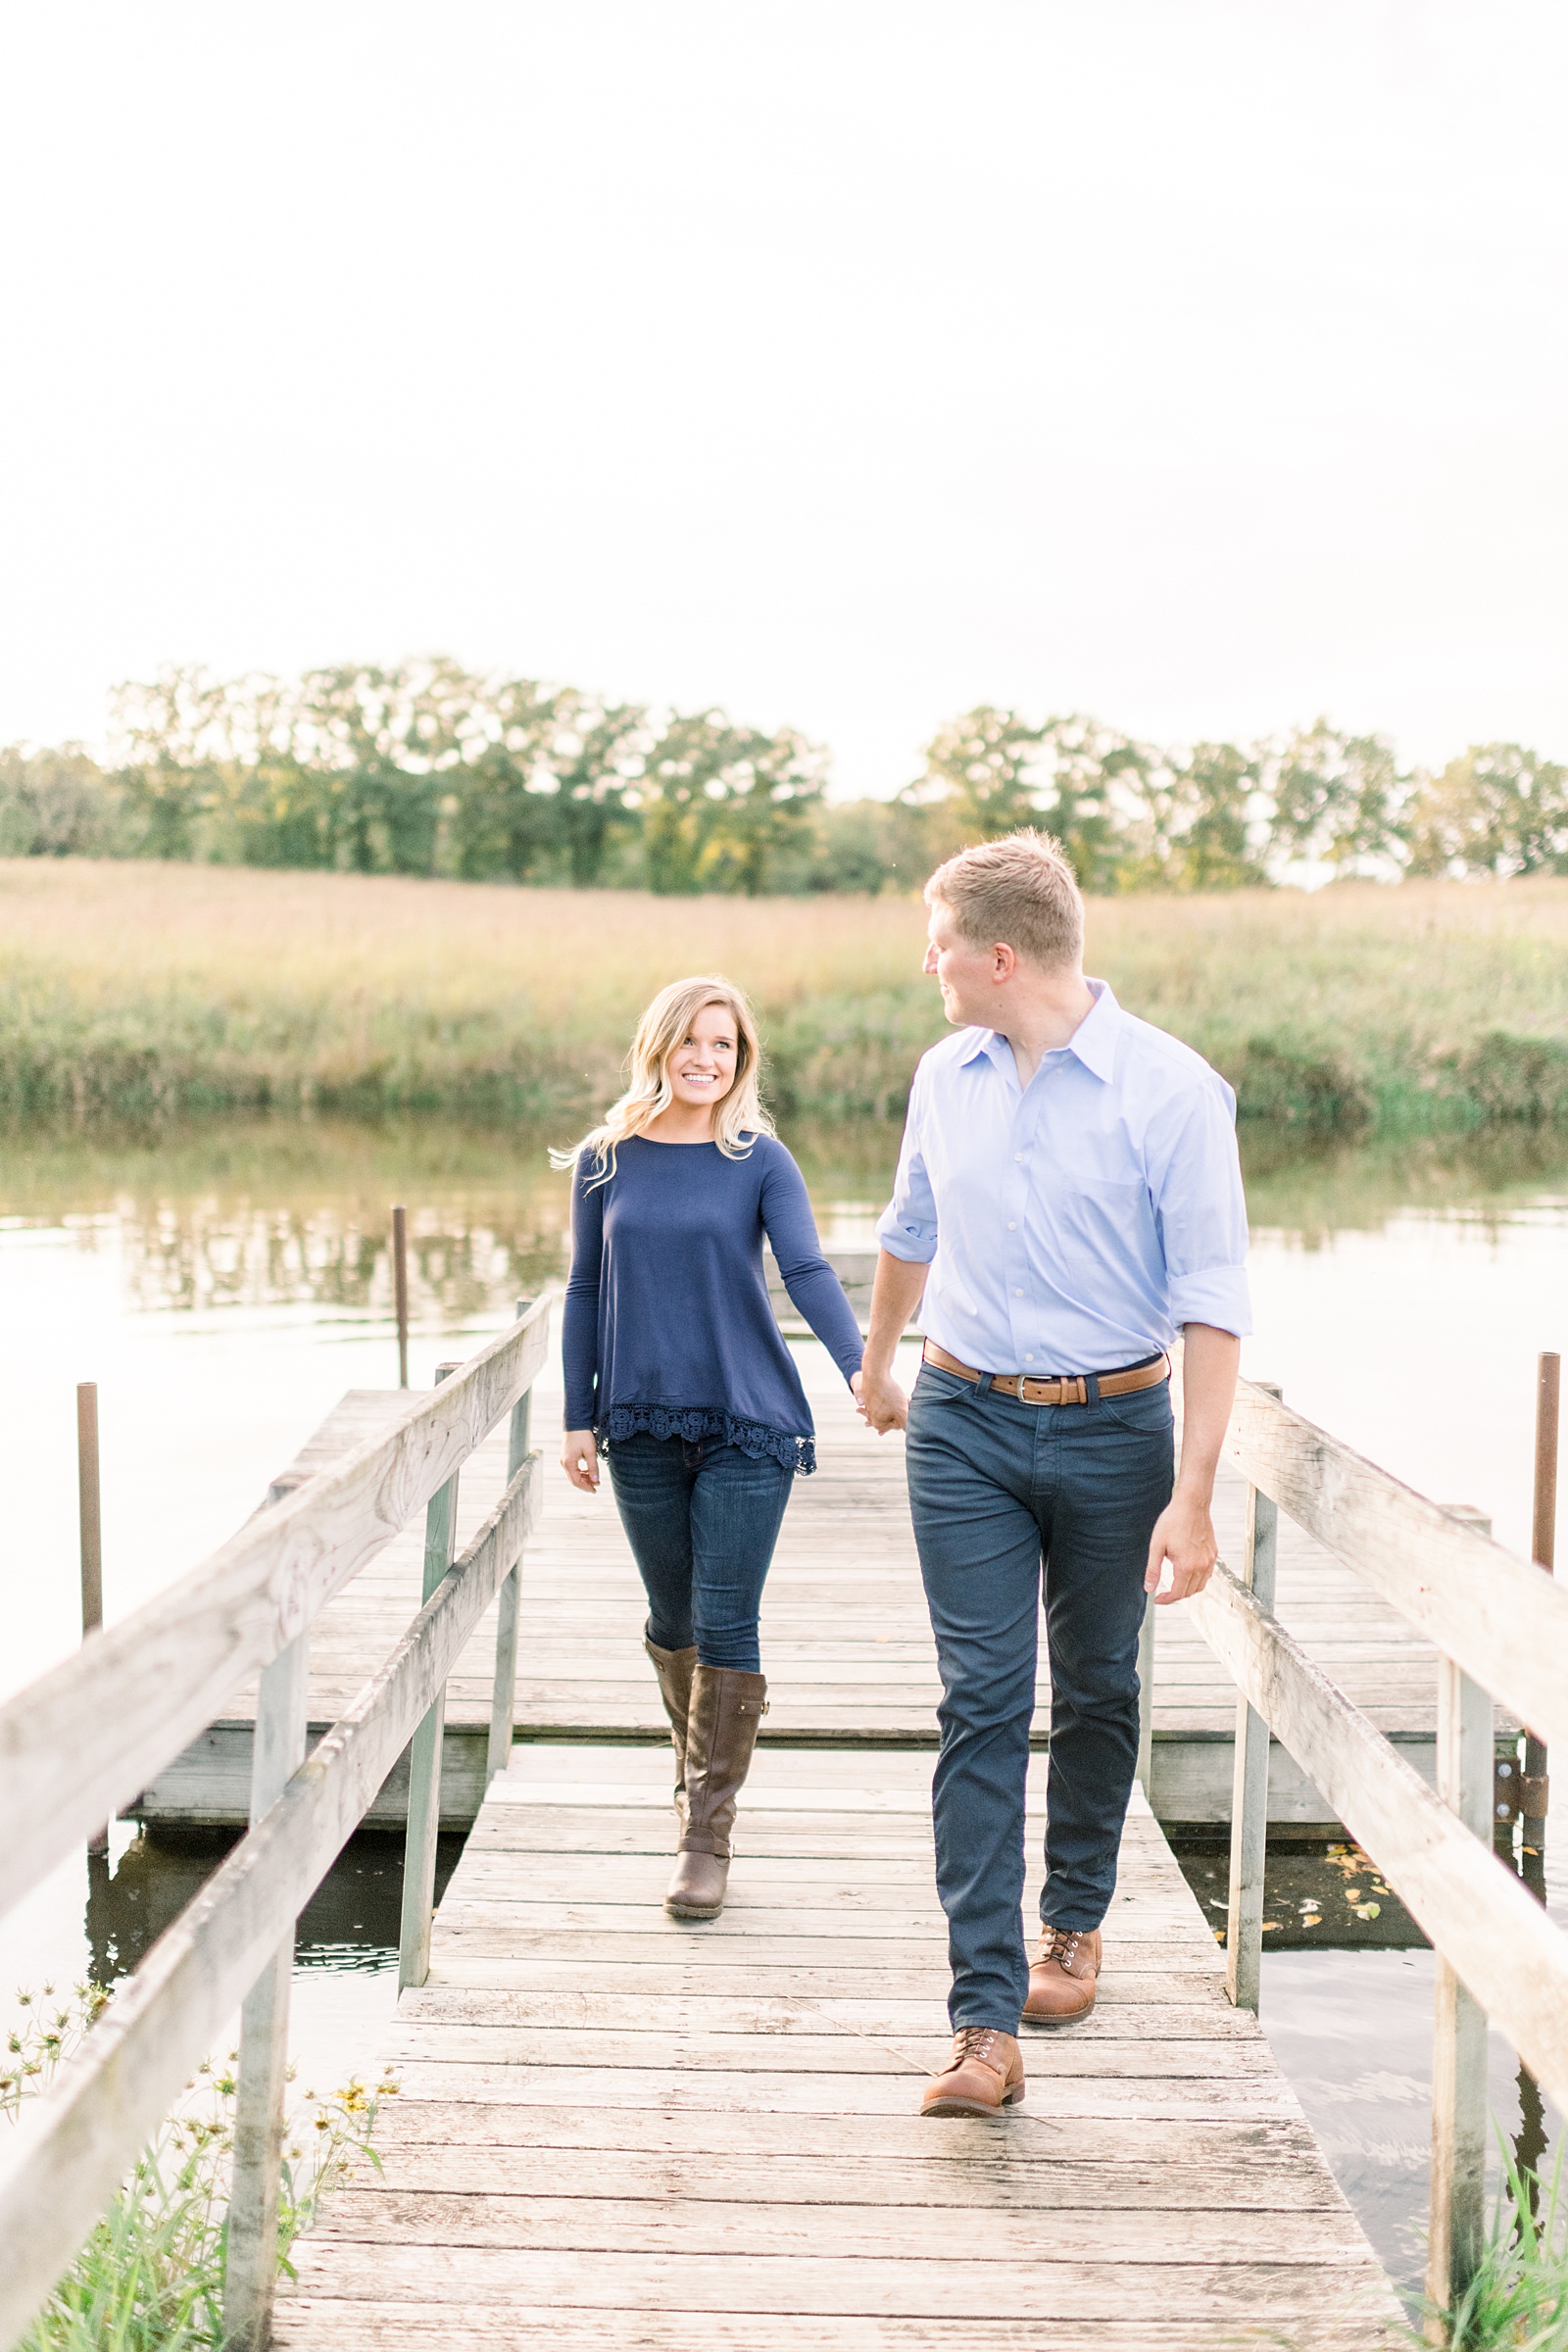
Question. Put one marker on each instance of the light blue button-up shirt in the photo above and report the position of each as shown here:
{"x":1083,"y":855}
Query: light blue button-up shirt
{"x":1074,"y":1224}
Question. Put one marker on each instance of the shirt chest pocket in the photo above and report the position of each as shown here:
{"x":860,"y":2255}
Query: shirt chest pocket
{"x":1093,"y":1220}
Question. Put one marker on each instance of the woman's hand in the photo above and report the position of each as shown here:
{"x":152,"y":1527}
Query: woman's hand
{"x":883,"y":1405}
{"x":579,"y":1459}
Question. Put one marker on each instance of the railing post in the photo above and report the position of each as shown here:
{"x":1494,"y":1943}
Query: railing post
{"x":1536,"y":1787}
{"x":89,"y":1507}
{"x":1457,"y":2230}
{"x":1244,"y":1917}
{"x":1146,"y":1700}
{"x":424,"y":1755}
{"x":503,"y":1702}
{"x":250,"y":2269}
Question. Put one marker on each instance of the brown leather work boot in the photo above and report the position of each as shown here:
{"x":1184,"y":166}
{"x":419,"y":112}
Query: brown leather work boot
{"x":984,"y":2075}
{"x":674,"y":1669}
{"x":728,"y":1707}
{"x":1062,"y":1977}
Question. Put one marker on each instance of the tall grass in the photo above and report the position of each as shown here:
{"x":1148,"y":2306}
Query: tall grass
{"x":1518,"y":2299}
{"x":150,"y":2277}
{"x":136,"y":988}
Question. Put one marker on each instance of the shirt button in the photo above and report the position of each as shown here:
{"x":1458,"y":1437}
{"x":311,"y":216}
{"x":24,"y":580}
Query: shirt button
{"x":1017,"y":1155}
{"x":1029,"y":1356}
{"x":1018,"y":1293}
{"x":1011,"y":1227}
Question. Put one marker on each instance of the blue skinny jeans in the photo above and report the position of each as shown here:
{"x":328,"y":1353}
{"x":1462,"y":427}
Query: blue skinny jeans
{"x":1009,"y":1499}
{"x":701,"y":1519}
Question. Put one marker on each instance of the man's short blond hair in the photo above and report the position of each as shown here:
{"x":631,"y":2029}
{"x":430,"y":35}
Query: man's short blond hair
{"x":1019,"y":889}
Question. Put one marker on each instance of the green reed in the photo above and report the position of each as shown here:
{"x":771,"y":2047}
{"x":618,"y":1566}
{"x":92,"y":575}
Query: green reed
{"x":150,"y":2277}
{"x":1518,"y":2299}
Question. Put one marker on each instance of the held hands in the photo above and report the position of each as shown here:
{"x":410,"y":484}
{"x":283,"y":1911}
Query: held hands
{"x":880,"y":1401}
{"x":1184,"y":1535}
{"x":579,"y":1459}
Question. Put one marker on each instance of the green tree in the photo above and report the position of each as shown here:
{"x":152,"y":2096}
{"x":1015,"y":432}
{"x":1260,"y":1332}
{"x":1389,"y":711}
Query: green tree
{"x":56,"y":804}
{"x":1102,"y":805}
{"x":1220,"y":837}
{"x":597,"y":757}
{"x":721,"y":805}
{"x":172,"y":735}
{"x":988,"y":769}
{"x":994,"y":772}
{"x":380,"y":739}
{"x":860,"y":846}
{"x":1339,"y":800}
{"x":503,"y":817}
{"x":1500,"y":809}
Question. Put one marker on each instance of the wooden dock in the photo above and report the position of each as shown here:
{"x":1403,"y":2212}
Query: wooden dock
{"x":847,"y":1644}
{"x":618,"y":2129}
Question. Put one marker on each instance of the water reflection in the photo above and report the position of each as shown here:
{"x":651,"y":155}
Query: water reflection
{"x":350,"y":1921}
{"x":266,"y":1212}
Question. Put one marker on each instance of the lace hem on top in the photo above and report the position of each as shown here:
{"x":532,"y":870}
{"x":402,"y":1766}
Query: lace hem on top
{"x":694,"y":1421}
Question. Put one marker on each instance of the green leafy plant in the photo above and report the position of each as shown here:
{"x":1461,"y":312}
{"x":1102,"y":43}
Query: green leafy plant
{"x":150,"y":2278}
{"x":1518,"y":2299}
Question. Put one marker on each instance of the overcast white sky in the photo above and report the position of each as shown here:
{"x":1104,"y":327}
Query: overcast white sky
{"x":1199,"y":364}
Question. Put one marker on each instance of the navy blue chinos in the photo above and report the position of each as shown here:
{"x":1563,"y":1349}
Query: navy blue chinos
{"x":1012,"y":1502}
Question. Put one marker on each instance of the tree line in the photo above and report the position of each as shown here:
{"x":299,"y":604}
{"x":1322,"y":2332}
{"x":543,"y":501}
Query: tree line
{"x":426,"y":768}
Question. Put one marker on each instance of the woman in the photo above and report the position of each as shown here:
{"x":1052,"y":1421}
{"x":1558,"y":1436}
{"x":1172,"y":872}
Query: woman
{"x":675,"y":1365}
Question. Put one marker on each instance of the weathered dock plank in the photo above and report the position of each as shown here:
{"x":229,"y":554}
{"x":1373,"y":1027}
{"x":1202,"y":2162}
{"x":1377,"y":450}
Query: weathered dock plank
{"x":846,"y":1641}
{"x":657,"y":2132}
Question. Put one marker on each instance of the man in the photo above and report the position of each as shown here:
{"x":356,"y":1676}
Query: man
{"x":1068,"y":1195}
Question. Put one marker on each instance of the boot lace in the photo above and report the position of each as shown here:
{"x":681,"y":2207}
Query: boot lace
{"x":1060,"y":1944}
{"x":978,"y":2041}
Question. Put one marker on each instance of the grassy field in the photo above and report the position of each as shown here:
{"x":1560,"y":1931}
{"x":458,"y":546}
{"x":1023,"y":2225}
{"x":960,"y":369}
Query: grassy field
{"x":130,"y":987}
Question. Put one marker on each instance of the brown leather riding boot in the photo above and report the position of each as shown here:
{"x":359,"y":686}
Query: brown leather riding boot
{"x":727,"y":1706}
{"x":984,"y":2075}
{"x":1062,"y":1977}
{"x":674,"y":1668}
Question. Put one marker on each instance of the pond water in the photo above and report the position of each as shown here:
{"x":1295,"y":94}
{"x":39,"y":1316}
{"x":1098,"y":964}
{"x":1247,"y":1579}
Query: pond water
{"x":225,"y":1284}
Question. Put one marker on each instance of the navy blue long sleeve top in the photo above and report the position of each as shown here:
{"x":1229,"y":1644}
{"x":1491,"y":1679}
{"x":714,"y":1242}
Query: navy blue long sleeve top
{"x":668,"y":1325}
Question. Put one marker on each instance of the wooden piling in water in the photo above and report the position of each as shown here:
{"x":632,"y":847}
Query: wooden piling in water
{"x":1534,"y":1791}
{"x":89,"y":1510}
{"x":400,"y":1287}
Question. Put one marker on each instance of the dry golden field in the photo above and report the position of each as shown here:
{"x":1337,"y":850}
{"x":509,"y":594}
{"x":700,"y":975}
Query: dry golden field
{"x":126,"y":986}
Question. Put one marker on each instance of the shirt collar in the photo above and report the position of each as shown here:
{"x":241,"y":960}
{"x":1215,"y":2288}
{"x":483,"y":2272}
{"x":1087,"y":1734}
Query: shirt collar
{"x":1094,"y":1041}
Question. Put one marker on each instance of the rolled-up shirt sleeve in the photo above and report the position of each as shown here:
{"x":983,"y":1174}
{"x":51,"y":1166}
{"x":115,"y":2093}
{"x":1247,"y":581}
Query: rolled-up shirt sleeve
{"x":1196,"y":1184}
{"x":907,"y":1226}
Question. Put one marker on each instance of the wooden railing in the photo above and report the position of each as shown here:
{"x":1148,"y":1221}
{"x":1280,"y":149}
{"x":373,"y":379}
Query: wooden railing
{"x":81,"y":1743}
{"x":1500,"y":1627}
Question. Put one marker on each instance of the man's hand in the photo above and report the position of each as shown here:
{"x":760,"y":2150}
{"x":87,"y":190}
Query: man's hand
{"x":1184,"y":1531}
{"x":883,"y":1404}
{"x":579,"y":1459}
{"x":1184,"y":1535}
{"x":895,"y":1296}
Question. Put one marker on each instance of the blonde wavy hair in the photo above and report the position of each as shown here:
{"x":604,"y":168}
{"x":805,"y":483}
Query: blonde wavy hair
{"x":739,"y":1116}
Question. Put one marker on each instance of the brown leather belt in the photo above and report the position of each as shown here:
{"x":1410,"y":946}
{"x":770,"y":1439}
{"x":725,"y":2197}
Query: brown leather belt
{"x":1071,"y":1390}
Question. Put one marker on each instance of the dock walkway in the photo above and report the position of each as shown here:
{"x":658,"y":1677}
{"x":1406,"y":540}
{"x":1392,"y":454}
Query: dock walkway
{"x":846,"y":1643}
{"x":618,"y":2129}
{"x":615,"y":2128}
